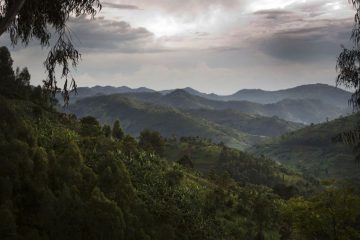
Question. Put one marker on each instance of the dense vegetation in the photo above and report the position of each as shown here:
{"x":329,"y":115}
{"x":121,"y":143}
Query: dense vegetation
{"x":314,"y":150}
{"x":64,"y":178}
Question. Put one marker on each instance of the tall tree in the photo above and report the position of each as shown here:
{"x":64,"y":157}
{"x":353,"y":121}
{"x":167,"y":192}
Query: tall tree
{"x":117,"y":131}
{"x":348,"y":62}
{"x":25,"y":20}
{"x":152,"y":141}
{"x":7,"y":76}
{"x":348,"y":66}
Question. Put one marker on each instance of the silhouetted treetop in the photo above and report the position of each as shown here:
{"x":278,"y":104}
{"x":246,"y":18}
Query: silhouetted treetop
{"x":26,"y":20}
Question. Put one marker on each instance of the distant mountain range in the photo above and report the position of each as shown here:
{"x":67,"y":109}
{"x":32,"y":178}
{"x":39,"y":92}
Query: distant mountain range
{"x":326,"y":93}
{"x":274,"y":129}
{"x":304,"y":111}
{"x":305,"y":104}
{"x":187,"y":112}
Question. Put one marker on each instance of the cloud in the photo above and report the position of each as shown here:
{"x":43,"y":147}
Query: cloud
{"x":275,"y":14}
{"x":100,"y":34}
{"x":312,"y":41}
{"x":298,"y":34}
{"x":216,"y":45}
{"x":120,"y":6}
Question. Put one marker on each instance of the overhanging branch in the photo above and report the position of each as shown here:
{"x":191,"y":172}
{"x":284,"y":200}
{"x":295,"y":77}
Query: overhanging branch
{"x":10,"y":15}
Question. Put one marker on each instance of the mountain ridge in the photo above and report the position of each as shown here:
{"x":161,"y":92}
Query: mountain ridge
{"x":304,"y":111}
{"x":314,"y":91}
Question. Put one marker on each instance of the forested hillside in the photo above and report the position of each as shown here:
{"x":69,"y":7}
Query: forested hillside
{"x":296,"y":110}
{"x":136,"y":116}
{"x":68,"y":178}
{"x":304,"y":104}
{"x":314,"y":150}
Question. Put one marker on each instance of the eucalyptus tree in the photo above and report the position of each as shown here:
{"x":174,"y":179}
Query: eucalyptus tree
{"x":26,"y":20}
{"x":348,"y":66}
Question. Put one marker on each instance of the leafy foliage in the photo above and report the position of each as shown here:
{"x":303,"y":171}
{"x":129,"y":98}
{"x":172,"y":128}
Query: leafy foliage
{"x":117,"y":131}
{"x":63,"y":178}
{"x":314,"y":151}
{"x":42,"y":20}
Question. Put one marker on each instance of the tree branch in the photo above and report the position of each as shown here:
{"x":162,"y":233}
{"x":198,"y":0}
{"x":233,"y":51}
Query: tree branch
{"x":10,"y":15}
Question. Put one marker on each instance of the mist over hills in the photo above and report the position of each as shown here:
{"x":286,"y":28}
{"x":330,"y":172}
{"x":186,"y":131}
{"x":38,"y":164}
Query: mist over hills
{"x":187,"y":112}
{"x":304,"y":111}
{"x":305,"y":104}
{"x":328,"y":94}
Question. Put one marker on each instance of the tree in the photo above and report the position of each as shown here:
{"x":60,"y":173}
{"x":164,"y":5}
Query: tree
{"x":26,"y":20}
{"x":151,"y":141}
{"x":349,"y":59}
{"x":106,"y":129}
{"x":117,"y":131}
{"x":186,"y":161}
{"x":333,"y":214}
{"x":348,"y":66}
{"x":129,"y":146}
{"x":7,"y":76}
{"x":90,"y":127}
{"x":22,"y":77}
{"x":13,"y":84}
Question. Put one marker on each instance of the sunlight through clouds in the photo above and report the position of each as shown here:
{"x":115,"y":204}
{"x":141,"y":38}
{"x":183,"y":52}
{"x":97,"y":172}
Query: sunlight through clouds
{"x":248,"y":40}
{"x":273,"y":4}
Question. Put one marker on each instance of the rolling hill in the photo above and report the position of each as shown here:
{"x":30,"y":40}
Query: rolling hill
{"x":234,"y":128}
{"x":253,"y":124}
{"x":136,"y":116}
{"x":313,"y":151}
{"x":296,"y":110}
{"x":85,"y":92}
{"x":328,"y":94}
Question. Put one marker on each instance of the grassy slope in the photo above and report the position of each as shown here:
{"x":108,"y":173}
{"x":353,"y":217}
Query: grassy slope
{"x":312,"y":150}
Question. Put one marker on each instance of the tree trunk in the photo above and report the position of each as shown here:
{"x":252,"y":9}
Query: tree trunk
{"x":10,"y":15}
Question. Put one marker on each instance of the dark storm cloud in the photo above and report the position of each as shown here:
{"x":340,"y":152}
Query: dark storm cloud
{"x":274,"y":14}
{"x":299,"y":39}
{"x":120,"y":6}
{"x":107,"y":35}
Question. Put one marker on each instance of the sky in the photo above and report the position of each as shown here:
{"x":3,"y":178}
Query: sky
{"x":218,"y":46}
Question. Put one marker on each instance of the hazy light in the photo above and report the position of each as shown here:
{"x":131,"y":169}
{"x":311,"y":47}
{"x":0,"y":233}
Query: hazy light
{"x":273,"y":4}
{"x":166,"y":26}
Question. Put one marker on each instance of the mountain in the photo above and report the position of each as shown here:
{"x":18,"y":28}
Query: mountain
{"x":313,"y":151}
{"x":326,"y":93}
{"x":84,"y":92}
{"x":188,"y":90}
{"x":253,"y":124}
{"x":296,"y":110}
{"x":136,"y":116}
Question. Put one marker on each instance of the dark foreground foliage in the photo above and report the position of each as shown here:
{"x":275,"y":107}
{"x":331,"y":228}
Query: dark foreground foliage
{"x":63,"y":178}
